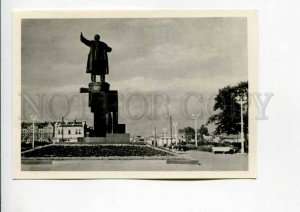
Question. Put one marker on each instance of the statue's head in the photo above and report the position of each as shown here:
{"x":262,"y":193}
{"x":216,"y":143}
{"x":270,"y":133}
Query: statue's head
{"x":97,"y":37}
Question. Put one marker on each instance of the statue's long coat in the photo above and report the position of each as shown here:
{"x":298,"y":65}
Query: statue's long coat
{"x":97,"y":62}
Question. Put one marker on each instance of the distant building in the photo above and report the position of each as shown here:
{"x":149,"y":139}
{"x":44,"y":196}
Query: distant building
{"x":69,"y":131}
{"x":43,"y":132}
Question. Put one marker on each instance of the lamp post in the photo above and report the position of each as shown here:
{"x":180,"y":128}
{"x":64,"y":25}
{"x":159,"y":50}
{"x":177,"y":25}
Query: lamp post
{"x":62,"y":129}
{"x":154,"y":135}
{"x":165,"y":130}
{"x":33,"y":118}
{"x":175,"y":131}
{"x":171,"y":129}
{"x":195,"y":116}
{"x":241,"y":100}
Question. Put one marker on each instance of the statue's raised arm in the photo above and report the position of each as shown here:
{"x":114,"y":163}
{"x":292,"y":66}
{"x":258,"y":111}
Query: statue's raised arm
{"x":84,"y":40}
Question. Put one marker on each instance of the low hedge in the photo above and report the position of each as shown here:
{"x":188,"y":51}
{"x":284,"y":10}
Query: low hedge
{"x":191,"y":147}
{"x":95,"y":151}
{"x":205,"y":148}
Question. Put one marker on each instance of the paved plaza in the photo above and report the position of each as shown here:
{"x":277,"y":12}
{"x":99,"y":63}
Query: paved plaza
{"x":207,"y":162}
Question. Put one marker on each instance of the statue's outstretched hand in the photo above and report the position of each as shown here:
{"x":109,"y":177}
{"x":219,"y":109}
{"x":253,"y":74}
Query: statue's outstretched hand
{"x":84,"y":40}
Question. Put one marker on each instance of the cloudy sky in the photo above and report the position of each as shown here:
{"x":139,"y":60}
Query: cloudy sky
{"x":166,"y":57}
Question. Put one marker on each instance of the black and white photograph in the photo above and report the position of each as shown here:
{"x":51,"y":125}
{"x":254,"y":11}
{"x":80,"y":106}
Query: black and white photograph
{"x":135,"y":95}
{"x":150,"y":106}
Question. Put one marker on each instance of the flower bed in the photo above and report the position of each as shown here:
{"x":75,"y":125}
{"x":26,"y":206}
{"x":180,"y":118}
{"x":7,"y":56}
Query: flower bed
{"x":95,"y":151}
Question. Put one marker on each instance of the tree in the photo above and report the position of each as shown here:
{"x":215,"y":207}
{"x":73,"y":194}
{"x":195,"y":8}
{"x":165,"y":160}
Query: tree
{"x":189,"y":132}
{"x":202,"y":131}
{"x":227,"y":118}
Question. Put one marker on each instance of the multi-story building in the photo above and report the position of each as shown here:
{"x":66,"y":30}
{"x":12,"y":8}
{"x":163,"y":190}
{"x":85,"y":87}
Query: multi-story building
{"x":43,"y":132}
{"x":69,"y":131}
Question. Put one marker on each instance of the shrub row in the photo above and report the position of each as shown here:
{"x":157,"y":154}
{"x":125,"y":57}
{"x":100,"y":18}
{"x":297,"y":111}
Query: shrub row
{"x":205,"y":148}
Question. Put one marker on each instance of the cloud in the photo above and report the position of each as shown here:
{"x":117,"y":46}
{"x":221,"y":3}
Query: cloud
{"x":177,"y":84}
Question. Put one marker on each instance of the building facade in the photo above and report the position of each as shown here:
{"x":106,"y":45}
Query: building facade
{"x":69,"y":131}
{"x":43,"y":132}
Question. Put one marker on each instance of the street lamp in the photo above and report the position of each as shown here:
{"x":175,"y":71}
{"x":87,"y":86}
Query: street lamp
{"x":195,"y":118}
{"x":154,"y":132}
{"x":241,"y":100}
{"x":165,"y":130}
{"x":33,"y":118}
{"x":62,"y":129}
{"x":175,"y":133}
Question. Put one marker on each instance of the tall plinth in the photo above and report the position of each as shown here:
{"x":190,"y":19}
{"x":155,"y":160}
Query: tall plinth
{"x":104,"y":106}
{"x":98,"y":103}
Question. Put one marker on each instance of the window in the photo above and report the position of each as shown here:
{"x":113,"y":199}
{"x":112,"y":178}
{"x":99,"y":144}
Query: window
{"x":79,"y":131}
{"x":58,"y":131}
{"x":69,"y":131}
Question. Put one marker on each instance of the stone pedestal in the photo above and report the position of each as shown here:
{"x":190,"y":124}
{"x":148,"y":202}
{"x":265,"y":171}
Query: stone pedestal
{"x":98,"y":103}
{"x":97,"y":87}
{"x":104,"y":105}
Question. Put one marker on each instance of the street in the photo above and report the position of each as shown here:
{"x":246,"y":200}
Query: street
{"x":207,"y":162}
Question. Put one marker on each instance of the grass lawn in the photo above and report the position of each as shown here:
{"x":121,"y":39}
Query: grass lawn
{"x":27,"y":146}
